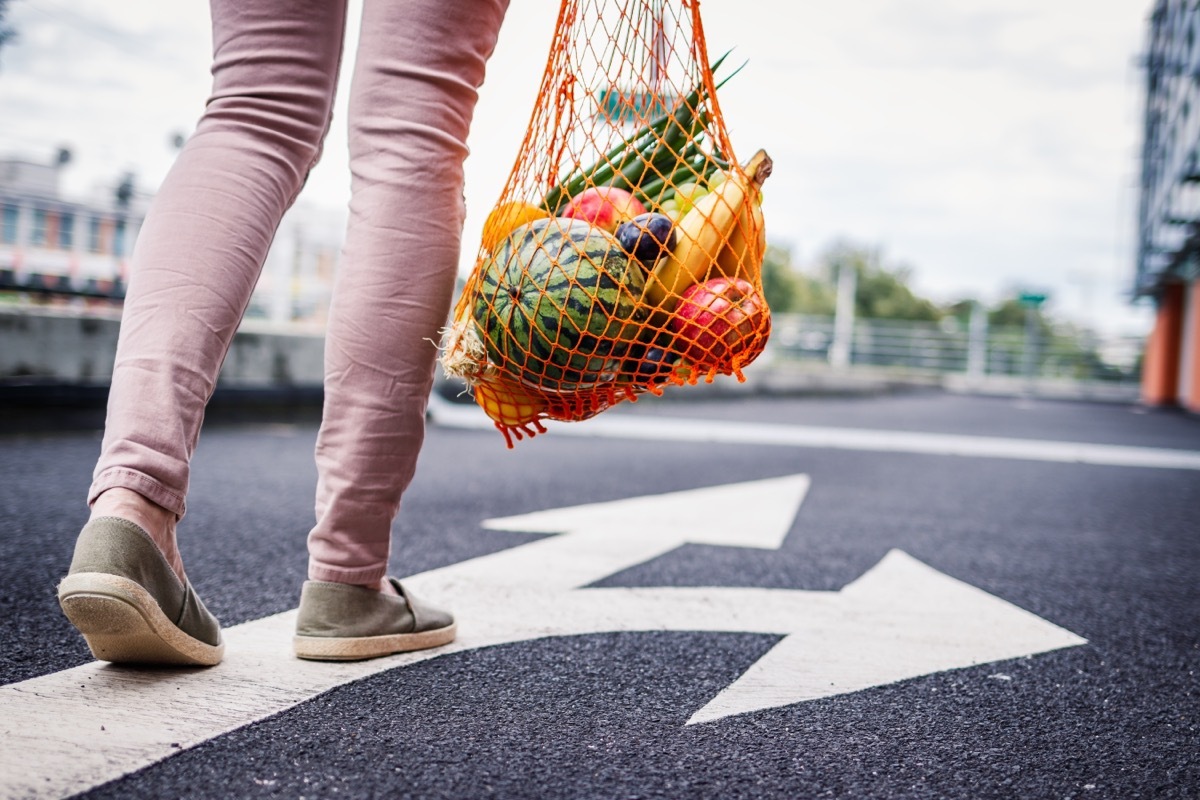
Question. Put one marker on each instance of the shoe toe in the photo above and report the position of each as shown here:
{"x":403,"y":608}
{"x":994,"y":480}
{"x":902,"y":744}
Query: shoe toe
{"x":426,"y":617}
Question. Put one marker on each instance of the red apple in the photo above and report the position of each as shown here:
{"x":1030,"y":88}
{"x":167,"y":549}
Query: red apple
{"x":604,"y":206}
{"x":720,"y":320}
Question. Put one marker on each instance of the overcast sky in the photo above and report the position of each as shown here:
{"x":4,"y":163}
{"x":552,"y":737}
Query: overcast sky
{"x":987,"y":145}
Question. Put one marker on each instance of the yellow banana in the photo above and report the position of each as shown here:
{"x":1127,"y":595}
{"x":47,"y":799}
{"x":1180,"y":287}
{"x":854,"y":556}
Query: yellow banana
{"x":701,"y":234}
{"x":704,"y":233}
{"x":744,"y":250}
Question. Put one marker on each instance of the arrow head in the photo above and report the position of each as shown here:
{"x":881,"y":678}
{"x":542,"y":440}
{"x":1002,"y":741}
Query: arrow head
{"x":900,"y":620}
{"x":752,"y":514}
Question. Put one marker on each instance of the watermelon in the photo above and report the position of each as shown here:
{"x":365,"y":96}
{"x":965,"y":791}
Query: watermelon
{"x":555,"y":305}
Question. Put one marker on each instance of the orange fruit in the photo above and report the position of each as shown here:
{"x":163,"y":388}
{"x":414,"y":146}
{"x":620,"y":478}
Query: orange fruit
{"x":508,"y":405}
{"x":506,"y":218}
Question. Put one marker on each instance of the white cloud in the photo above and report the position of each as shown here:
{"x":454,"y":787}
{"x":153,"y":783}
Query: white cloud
{"x":111,"y":81}
{"x":988,"y":144}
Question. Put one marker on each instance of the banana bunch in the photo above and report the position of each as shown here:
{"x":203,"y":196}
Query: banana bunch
{"x":722,"y":234}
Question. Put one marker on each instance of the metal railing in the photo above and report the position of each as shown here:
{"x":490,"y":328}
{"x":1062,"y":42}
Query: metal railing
{"x":927,"y":348}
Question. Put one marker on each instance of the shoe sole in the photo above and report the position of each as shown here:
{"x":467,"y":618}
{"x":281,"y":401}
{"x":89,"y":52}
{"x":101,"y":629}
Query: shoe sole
{"x":122,"y":623}
{"x":358,"y":648}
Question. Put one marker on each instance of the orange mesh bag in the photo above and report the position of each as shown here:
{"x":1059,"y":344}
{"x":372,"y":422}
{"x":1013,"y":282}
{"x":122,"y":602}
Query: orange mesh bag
{"x":624,"y":253}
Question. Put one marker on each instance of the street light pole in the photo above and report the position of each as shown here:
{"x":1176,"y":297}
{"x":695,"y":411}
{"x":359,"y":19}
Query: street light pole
{"x":843,"y":322}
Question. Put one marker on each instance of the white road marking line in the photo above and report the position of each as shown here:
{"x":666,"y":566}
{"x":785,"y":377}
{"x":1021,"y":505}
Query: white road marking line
{"x":69,"y":731}
{"x":624,"y":426}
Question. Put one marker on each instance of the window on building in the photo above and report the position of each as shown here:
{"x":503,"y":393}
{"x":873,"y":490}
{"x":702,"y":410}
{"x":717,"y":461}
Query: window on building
{"x":95,"y":238}
{"x":66,"y":230}
{"x":8,"y":224}
{"x":37,"y":235}
{"x":52,"y":229}
{"x":119,"y":238}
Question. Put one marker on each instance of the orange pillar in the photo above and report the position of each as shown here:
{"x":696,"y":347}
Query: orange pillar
{"x":1160,"y":367}
{"x":1193,"y":389}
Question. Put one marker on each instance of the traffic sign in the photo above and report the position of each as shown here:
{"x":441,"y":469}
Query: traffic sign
{"x":634,"y":106}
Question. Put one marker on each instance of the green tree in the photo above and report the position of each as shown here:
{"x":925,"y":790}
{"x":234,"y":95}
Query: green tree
{"x":789,"y":289}
{"x":816,"y":296}
{"x":1063,"y":349}
{"x":962,"y":310}
{"x":882,"y":291}
{"x":780,"y":282}
{"x":1010,"y":313}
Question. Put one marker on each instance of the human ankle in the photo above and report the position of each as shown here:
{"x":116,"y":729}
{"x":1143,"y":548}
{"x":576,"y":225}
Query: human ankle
{"x":383,"y":586}
{"x":157,"y":521}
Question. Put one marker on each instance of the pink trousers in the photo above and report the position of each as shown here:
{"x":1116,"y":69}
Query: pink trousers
{"x":198,"y":256}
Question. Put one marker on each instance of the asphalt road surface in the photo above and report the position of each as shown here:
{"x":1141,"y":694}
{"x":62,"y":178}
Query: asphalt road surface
{"x":1103,"y":555}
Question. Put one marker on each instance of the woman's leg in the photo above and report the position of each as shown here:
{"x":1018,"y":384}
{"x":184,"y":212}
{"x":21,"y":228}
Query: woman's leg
{"x":202,"y":246}
{"x":418,"y":67}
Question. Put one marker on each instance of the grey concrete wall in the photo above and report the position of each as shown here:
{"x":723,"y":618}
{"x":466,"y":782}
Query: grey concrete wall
{"x":57,"y":345}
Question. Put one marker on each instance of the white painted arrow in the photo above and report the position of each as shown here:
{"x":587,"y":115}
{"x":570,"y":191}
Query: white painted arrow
{"x":66,"y":732}
{"x":601,"y":539}
{"x":901,"y":619}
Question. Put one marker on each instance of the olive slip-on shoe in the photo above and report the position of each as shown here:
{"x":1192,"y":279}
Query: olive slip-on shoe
{"x":340,"y":622}
{"x":129,"y":604}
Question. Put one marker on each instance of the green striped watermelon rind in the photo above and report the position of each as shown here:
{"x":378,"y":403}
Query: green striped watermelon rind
{"x":555,"y":306}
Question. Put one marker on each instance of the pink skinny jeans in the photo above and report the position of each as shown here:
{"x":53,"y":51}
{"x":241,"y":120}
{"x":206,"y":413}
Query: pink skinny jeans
{"x":275,"y":66}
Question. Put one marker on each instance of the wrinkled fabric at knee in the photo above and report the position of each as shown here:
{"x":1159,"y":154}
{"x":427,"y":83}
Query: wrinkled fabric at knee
{"x":207,"y":233}
{"x":415,"y":86}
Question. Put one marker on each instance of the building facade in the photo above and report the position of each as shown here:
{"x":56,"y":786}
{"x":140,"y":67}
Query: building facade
{"x":296,"y":283}
{"x":56,"y":248}
{"x":49,"y":243}
{"x":1168,"y":252}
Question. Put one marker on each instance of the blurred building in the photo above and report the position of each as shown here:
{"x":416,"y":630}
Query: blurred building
{"x":49,"y":243}
{"x":1168,"y":254}
{"x":58,"y":249}
{"x":297,"y":278}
